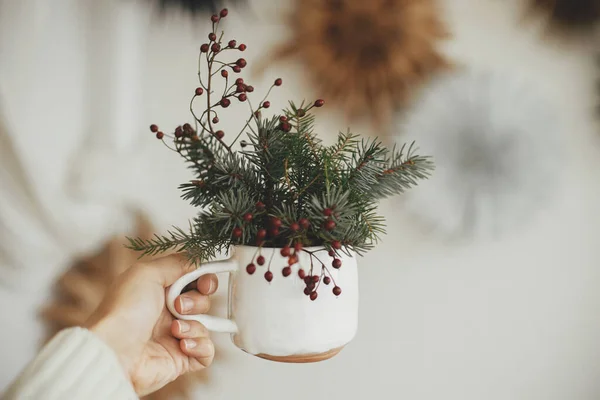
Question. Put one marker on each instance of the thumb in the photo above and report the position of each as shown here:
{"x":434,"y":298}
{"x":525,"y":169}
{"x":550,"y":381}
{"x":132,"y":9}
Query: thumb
{"x":166,"y":270}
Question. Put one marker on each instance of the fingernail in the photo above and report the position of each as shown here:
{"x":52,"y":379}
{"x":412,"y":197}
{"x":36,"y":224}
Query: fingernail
{"x":211,"y":286}
{"x":186,"y":304}
{"x":189,"y":343}
{"x":183,"y":326}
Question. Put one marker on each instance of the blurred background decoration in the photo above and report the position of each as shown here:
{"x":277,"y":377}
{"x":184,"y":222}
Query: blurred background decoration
{"x":366,"y":57}
{"x":193,"y":7}
{"x":496,"y":144}
{"x":568,"y":16}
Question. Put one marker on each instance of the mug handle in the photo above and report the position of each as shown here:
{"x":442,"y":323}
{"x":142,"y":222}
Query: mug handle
{"x":215,"y":324}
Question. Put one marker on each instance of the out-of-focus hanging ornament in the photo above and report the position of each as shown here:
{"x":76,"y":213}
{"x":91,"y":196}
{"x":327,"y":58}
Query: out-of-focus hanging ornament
{"x":568,"y":15}
{"x":366,"y":57}
{"x":193,"y":6}
{"x":496,"y":144}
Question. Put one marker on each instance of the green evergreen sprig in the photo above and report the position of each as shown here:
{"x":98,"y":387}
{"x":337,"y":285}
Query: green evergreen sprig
{"x":282,"y":187}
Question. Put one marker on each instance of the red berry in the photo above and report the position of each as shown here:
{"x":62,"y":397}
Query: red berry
{"x":223,"y":13}
{"x":225,"y":102}
{"x":219,"y":134}
{"x":331,"y":253}
{"x":249,"y":89}
{"x":240,"y":89}
{"x":242,"y":47}
{"x":248,"y":217}
{"x":285,"y":251}
{"x":336,"y":244}
{"x":239,"y":81}
{"x":315,"y":278}
{"x":287,"y":271}
{"x":269,"y":276}
{"x":293,"y":260}
{"x":307,"y":291}
{"x":313,"y":296}
{"x":301,"y":274}
{"x":212,"y":36}
{"x":215,"y":47}
{"x":330,"y":225}
{"x":232,"y":43}
{"x":327,"y":212}
{"x":215,"y":120}
{"x":260,"y":205}
{"x":319,"y":103}
{"x":304,"y":223}
{"x":308,"y":280}
{"x":204,"y":48}
{"x":214,"y":18}
{"x":153,"y":128}
{"x":261,"y":234}
{"x":242,"y":97}
{"x":336,"y":263}
{"x":236,"y":69}
{"x":298,"y":247}
{"x":159,"y":135}
{"x":301,"y":113}
{"x":295,"y":227}
{"x":224,"y":73}
{"x":327,"y":280}
{"x":199,"y":91}
{"x":278,"y":82}
{"x":241,"y":62}
{"x":187,"y":128}
{"x":237,"y":232}
{"x":283,"y":118}
{"x":276,"y":222}
{"x":274,"y":232}
{"x":251,"y":268}
{"x":266,"y":104}
{"x":260,"y":260}
{"x":337,"y":290}
{"x":178,"y":132}
{"x":286,"y":127}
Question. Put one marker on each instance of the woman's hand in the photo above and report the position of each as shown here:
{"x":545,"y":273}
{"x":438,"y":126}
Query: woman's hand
{"x":153,"y":347}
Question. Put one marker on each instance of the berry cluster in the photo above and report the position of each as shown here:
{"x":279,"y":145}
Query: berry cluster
{"x":312,"y":280}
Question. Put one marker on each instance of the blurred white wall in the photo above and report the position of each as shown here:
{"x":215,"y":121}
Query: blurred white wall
{"x":517,"y":318}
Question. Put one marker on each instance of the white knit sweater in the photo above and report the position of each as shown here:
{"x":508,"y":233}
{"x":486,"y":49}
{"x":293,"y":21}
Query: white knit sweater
{"x":75,"y":364}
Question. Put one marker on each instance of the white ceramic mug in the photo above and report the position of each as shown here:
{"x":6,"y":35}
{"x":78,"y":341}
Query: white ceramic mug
{"x":276,"y":320}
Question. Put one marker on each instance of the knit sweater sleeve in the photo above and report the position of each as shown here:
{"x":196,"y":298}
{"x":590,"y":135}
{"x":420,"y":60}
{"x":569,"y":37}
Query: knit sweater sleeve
{"x":75,"y":364}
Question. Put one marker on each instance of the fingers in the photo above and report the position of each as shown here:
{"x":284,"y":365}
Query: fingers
{"x":192,"y":302}
{"x":188,"y":329}
{"x":202,"y":349}
{"x":194,"y":341}
{"x":208,"y":284}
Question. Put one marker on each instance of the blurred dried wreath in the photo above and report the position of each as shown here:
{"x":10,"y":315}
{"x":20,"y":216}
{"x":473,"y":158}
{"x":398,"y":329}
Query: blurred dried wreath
{"x":366,"y":56}
{"x":568,"y":15}
{"x":82,"y":287}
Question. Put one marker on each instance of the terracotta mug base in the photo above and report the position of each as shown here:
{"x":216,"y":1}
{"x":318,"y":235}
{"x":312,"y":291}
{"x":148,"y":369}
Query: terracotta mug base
{"x":302,"y":358}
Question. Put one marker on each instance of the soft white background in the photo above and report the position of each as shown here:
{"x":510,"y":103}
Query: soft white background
{"x":516,"y":318}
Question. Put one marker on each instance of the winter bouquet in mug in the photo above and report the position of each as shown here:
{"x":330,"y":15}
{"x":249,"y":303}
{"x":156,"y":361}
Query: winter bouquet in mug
{"x":294,"y":212}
